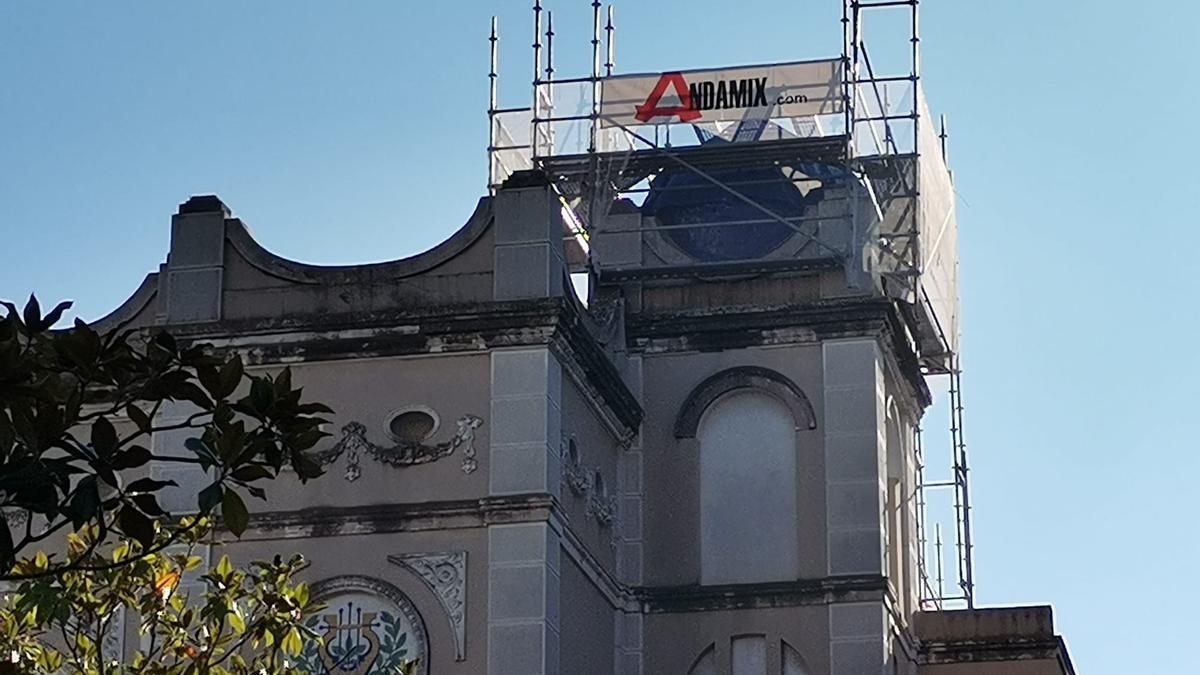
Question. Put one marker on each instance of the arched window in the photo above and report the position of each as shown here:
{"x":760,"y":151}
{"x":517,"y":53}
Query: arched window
{"x":793,"y":663}
{"x":748,"y":655}
{"x":706,"y":663}
{"x":749,"y":530}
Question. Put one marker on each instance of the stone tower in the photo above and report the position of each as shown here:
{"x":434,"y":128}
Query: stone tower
{"x":651,"y":410}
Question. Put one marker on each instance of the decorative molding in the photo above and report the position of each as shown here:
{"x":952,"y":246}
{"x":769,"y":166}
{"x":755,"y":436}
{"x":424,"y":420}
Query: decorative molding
{"x":446,"y":576}
{"x":328,"y":521}
{"x":354,"y":443}
{"x":391,"y":416}
{"x":467,"y":425}
{"x":575,"y":476}
{"x":16,"y":517}
{"x":603,"y":508}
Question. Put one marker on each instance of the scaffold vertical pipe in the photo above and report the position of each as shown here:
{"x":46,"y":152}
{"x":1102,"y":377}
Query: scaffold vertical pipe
{"x":943,"y":137}
{"x":918,"y":262}
{"x":549,"y":46}
{"x":847,"y":80}
{"x":537,"y":45}
{"x":937,"y":547}
{"x":594,"y":136}
{"x":962,"y":490}
{"x":922,"y":536}
{"x":610,"y":35}
{"x":493,"y":44}
{"x":595,"y":115}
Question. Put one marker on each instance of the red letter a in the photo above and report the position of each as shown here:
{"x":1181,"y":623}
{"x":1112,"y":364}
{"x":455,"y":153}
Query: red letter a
{"x":686,"y":112}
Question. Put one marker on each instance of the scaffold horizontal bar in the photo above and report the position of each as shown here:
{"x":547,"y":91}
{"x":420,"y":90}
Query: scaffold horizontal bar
{"x":884,"y":78}
{"x":868,"y":4}
{"x":565,"y":118}
{"x":886,"y":118}
{"x":728,"y":267}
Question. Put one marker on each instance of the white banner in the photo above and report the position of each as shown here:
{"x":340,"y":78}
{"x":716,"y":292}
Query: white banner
{"x":722,"y":95}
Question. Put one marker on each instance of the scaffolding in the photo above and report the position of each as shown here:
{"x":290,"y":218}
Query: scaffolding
{"x":858,"y":182}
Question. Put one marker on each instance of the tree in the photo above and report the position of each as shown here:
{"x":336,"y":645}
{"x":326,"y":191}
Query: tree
{"x":229,"y":622}
{"x":65,"y":465}
{"x":244,"y":621}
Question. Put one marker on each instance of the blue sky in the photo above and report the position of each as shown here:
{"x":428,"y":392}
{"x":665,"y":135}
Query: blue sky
{"x":351,"y":132}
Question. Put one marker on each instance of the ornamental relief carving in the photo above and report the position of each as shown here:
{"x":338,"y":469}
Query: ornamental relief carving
{"x":575,"y":476}
{"x":354,"y":444}
{"x":446,"y":575}
{"x":587,"y":484}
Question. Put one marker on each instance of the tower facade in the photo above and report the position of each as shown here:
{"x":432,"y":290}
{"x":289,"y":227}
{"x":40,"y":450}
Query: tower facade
{"x":652,"y":410}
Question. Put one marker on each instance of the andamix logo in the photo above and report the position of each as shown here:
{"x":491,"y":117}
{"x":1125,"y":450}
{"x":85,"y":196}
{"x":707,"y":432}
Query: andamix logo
{"x":701,"y":95}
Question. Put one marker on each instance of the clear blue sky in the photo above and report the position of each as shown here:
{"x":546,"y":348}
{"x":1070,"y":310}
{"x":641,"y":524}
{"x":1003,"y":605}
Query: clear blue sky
{"x":350,"y":132}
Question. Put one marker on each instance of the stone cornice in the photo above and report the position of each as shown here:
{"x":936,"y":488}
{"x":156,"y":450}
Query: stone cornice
{"x":822,"y":591}
{"x":983,"y":651}
{"x":808,"y":323}
{"x":441,"y":330}
{"x":339,"y":521}
{"x":479,"y":513}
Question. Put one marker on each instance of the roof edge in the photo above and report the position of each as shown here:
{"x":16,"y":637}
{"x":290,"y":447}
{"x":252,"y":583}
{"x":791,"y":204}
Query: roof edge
{"x":303,"y":273}
{"x":133,"y":305}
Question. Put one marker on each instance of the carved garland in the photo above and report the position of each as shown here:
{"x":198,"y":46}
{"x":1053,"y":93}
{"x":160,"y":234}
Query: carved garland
{"x":354,"y":443}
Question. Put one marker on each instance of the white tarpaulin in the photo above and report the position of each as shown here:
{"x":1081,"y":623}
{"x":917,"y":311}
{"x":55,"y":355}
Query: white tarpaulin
{"x":722,"y":95}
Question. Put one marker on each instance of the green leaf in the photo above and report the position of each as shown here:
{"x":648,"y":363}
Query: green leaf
{"x":84,"y":502}
{"x":231,"y":375}
{"x":210,"y":378}
{"x":233,"y":512}
{"x":306,"y":439}
{"x":7,"y":436}
{"x":104,"y":437}
{"x":251,"y":472}
{"x":138,"y":417}
{"x":166,"y":341}
{"x":148,"y":485}
{"x":188,"y":391}
{"x":313,"y":408}
{"x":237,"y":623}
{"x":136,"y":525}
{"x":32,"y":313}
{"x":54,"y":315}
{"x":7,"y":555}
{"x":306,"y":467}
{"x":132,"y":458}
{"x":262,"y":395}
{"x":206,"y":455}
{"x":292,"y":643}
{"x":210,"y":496}
{"x":283,"y":382}
{"x":148,"y":505}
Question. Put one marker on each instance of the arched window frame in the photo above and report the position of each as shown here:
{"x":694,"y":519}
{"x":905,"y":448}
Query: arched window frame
{"x":743,"y":377}
{"x":706,"y":398}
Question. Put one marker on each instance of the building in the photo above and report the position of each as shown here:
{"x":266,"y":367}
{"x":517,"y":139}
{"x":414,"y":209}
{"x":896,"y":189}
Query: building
{"x":653,"y":409}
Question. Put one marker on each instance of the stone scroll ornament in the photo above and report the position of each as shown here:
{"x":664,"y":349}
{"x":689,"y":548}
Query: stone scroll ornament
{"x":354,"y":444}
{"x":446,"y":575}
